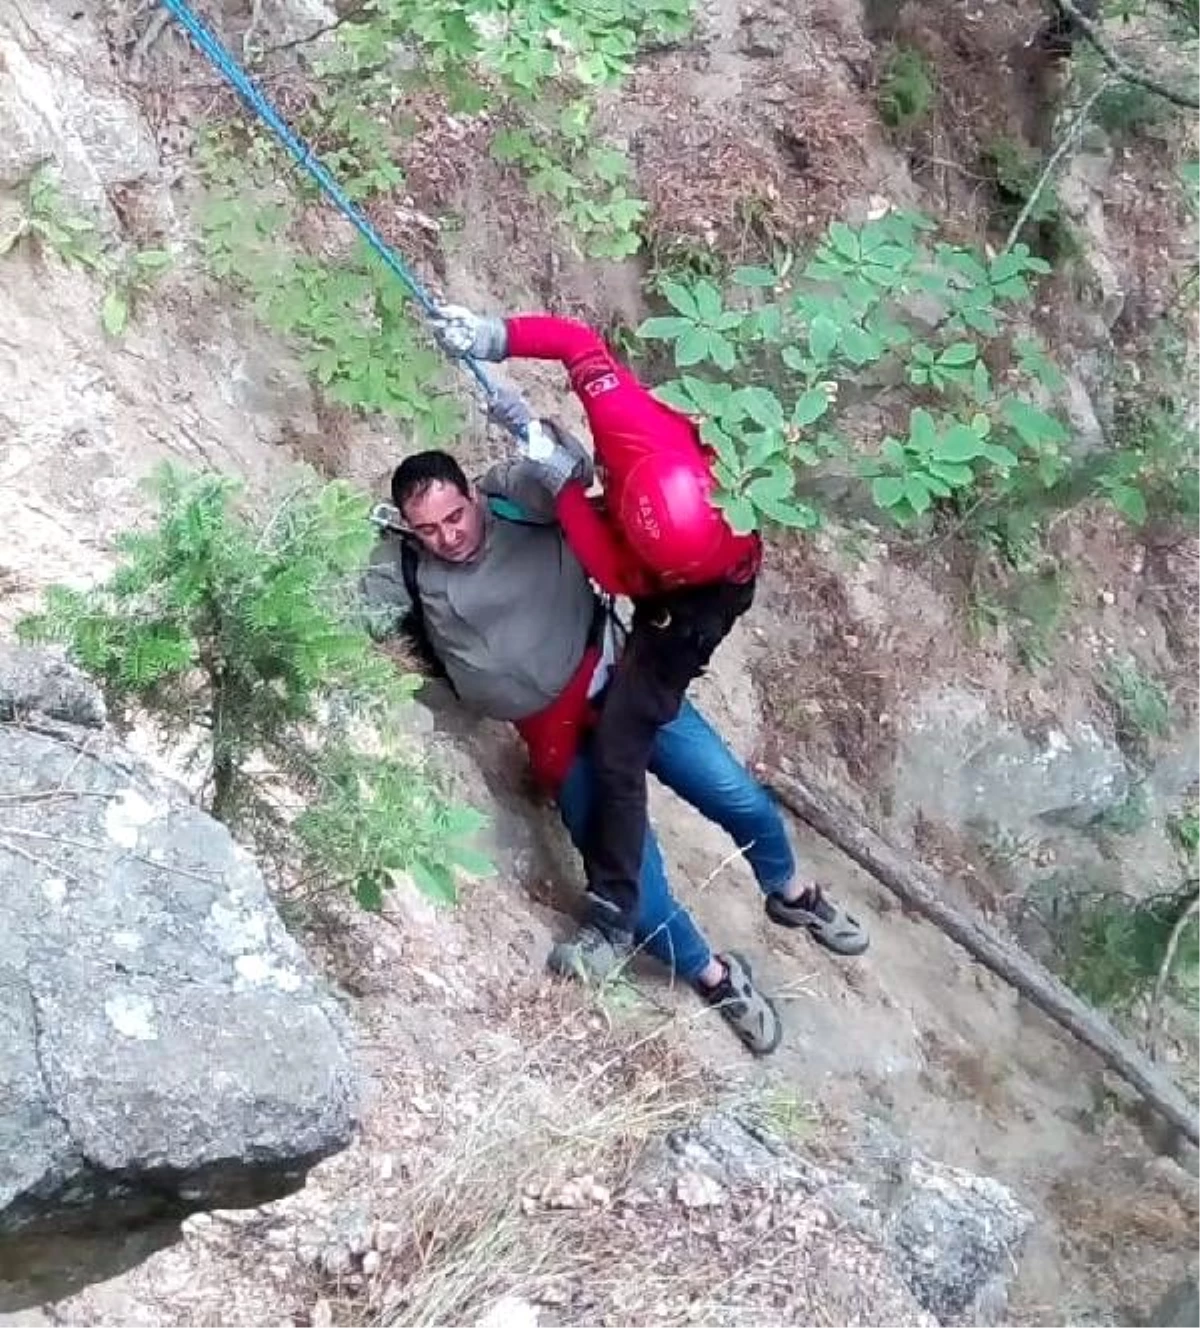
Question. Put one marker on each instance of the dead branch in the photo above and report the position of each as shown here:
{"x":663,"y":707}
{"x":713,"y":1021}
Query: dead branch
{"x":1154,"y":1020}
{"x":803,"y":795}
{"x":1119,"y":65}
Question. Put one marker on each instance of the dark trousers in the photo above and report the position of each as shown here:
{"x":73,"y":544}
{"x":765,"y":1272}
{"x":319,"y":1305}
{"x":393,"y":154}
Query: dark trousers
{"x":673,"y":638}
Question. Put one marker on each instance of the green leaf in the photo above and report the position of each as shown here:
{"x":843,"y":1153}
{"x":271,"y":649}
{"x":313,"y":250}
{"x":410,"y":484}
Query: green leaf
{"x":893,"y":450}
{"x":922,"y":431}
{"x":692,"y":347}
{"x":1034,"y":425}
{"x":664,"y":328}
{"x":916,"y":493}
{"x":822,"y":338}
{"x":721,"y":443}
{"x":845,"y":241}
{"x":776,"y":485}
{"x":860,"y":346}
{"x":762,"y":405}
{"x":369,"y":892}
{"x":761,"y":447}
{"x":959,"y":444}
{"x":740,"y":512}
{"x":721,"y":351}
{"x":680,"y":299}
{"x":798,"y":516}
{"x":435,"y":881}
{"x":810,"y":407}
{"x":952,"y":472}
{"x":981,"y":383}
{"x":708,"y":301}
{"x":761,"y":277}
{"x":1000,"y":456}
{"x":958,"y":355}
{"x":114,"y":313}
{"x":1130,"y":502}
{"x":887,"y":490}
{"x":471,"y":860}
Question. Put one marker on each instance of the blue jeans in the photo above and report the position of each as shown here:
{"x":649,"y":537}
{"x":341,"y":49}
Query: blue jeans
{"x":690,"y":758}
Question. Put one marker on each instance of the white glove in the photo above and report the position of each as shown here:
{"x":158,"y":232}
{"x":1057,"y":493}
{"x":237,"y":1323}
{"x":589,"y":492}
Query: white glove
{"x":460,"y":332}
{"x":556,"y":464}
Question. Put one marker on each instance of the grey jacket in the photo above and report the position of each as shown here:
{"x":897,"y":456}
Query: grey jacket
{"x":510,"y":626}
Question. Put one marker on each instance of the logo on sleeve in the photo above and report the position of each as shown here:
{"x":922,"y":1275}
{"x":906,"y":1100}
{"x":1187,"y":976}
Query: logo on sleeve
{"x":598,"y":386}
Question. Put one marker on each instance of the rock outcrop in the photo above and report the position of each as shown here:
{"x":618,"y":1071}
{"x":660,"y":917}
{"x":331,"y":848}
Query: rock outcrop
{"x":164,"y":1044}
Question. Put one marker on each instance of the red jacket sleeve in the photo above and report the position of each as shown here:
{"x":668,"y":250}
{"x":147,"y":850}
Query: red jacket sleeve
{"x":626,"y":421}
{"x":603,"y":554}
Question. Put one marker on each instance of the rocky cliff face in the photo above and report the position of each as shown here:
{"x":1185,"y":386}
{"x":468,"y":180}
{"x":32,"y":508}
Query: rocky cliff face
{"x":164,"y":1045}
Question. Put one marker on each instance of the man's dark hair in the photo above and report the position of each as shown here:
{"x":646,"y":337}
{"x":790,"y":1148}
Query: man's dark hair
{"x":414,"y":475}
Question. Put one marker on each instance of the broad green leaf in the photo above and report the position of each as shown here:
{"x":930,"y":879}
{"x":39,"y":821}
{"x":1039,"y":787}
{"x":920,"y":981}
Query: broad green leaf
{"x":936,"y":485}
{"x":959,"y":444}
{"x":369,"y":893}
{"x":958,"y":355}
{"x":772,"y":487}
{"x":708,"y":301}
{"x":799,"y":516}
{"x":893,"y":450}
{"x":114,"y":313}
{"x":794,"y":358}
{"x":740,"y":512}
{"x":692,"y":347}
{"x":722,"y":444}
{"x":845,"y":241}
{"x":676,"y":394}
{"x":810,"y":407}
{"x":981,"y":383}
{"x":435,"y":881}
{"x":887,"y":490}
{"x":762,"y":405}
{"x":680,"y":299}
{"x":721,"y":351}
{"x":1034,"y":425}
{"x":916,"y":492}
{"x":952,"y":472}
{"x":761,"y":277}
{"x":1130,"y":502}
{"x":664,"y":328}
{"x":922,"y":431}
{"x":822,"y":338}
{"x":761,"y":447}
{"x":860,"y":346}
{"x":1000,"y":456}
{"x":152,"y":260}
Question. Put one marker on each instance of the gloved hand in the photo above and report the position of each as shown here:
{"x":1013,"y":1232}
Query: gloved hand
{"x":459,"y":332}
{"x":556,"y":464}
{"x":509,"y":409}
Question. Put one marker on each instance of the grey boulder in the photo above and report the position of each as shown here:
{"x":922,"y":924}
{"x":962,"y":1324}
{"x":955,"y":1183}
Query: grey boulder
{"x":164,"y":1044}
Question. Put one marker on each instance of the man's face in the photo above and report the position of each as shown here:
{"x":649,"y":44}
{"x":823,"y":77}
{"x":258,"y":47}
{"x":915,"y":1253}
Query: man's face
{"x":449,"y":524}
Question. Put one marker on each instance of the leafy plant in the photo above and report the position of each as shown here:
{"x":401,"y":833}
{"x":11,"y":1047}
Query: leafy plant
{"x":1140,"y":702}
{"x":906,"y":88}
{"x":1014,"y":171}
{"x":248,"y":634}
{"x":1115,"y":948}
{"x":48,"y":220}
{"x":765,"y":364}
{"x":348,"y":317}
{"x":131,"y":280}
{"x":588,"y":181}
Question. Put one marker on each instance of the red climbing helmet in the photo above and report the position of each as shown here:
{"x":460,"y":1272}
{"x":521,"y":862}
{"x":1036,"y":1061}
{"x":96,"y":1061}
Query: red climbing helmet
{"x":668,"y":518}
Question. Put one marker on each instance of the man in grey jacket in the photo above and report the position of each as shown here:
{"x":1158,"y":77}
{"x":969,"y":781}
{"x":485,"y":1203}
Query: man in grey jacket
{"x":482,"y":577}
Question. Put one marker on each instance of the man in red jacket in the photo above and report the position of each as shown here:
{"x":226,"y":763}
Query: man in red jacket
{"x":656,"y":537}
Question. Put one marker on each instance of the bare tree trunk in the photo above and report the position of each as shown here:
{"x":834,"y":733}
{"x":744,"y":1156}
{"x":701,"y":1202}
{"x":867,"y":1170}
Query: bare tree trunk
{"x":803,"y":796}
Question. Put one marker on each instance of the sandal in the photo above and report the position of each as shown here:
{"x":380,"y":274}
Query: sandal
{"x":826,"y":922}
{"x":749,"y":1012}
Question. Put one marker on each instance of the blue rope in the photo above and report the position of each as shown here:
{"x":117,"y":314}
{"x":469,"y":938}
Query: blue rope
{"x":211,"y":46}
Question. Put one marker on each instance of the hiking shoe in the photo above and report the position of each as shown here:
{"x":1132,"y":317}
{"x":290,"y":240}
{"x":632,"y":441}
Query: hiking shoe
{"x":749,"y":1012}
{"x":827,"y":923}
{"x":591,"y":956}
